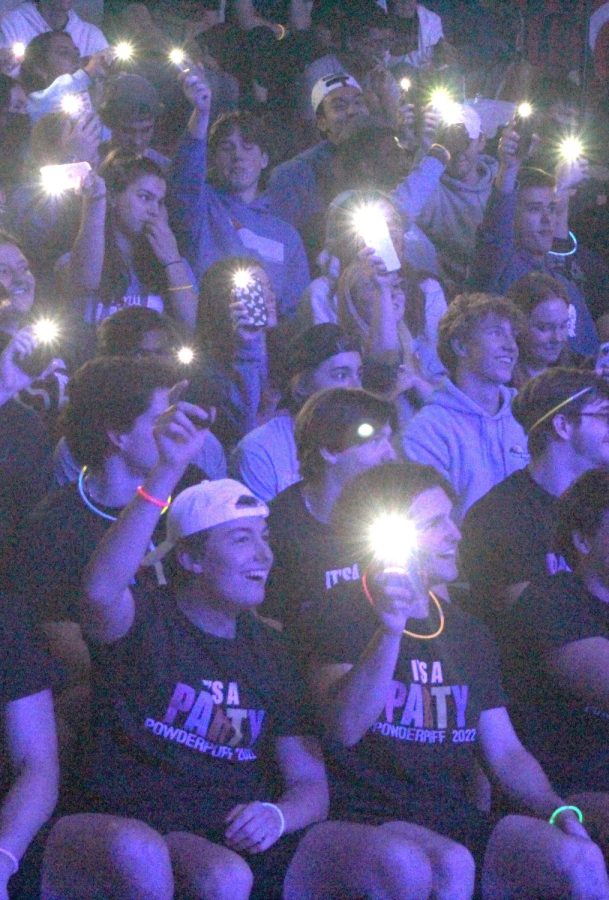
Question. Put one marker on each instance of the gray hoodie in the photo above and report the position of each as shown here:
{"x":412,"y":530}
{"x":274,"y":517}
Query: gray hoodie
{"x":451,"y":217}
{"x":471,"y":448}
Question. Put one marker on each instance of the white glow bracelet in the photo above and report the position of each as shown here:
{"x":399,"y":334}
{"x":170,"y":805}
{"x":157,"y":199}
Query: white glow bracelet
{"x":280,"y":814}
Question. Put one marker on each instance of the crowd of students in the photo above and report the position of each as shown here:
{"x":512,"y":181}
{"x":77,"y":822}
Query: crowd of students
{"x":304,"y":454}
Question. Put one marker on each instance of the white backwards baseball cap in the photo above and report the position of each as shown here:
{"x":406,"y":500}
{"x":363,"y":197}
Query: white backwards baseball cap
{"x":329,"y":83}
{"x":204,"y":506}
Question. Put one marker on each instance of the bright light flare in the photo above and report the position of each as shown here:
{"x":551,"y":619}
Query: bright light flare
{"x":185,"y":355}
{"x":405,"y":84}
{"x":54,"y":181}
{"x":18,"y":50}
{"x":46,"y":331}
{"x":524,"y":110}
{"x":367,"y":220}
{"x":123,"y":51}
{"x":178,"y":57}
{"x":441,"y":99}
{"x":242,"y":278}
{"x":365,"y":430}
{"x":72,"y":104}
{"x":571,"y":149}
{"x":393,"y":540}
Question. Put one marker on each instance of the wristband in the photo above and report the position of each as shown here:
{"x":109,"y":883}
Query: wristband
{"x":174,"y":262}
{"x":279,"y":813}
{"x":15,"y":861}
{"x":441,"y":153}
{"x":561,"y":809}
{"x":180,"y":287}
{"x":162,"y":504}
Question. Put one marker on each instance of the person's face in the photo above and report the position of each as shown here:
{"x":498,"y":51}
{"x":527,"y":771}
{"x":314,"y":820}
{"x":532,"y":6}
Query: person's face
{"x":270,"y":298}
{"x":373,"y":45}
{"x":463,"y":163}
{"x":535,"y":221}
{"x":138,"y":447}
{"x":367,"y":294}
{"x":58,"y":6}
{"x":18,"y":101}
{"x":141,"y":203}
{"x":590,"y":434}
{"x":134,"y":136}
{"x":338,"y":109}
{"x":358,"y":458}
{"x":546,"y":333}
{"x":236,"y":562}
{"x":238,"y":163}
{"x":62,"y":56}
{"x":491,"y":351}
{"x":341,"y":370}
{"x":596,"y":557}
{"x":437,"y":535}
{"x":16,"y":277}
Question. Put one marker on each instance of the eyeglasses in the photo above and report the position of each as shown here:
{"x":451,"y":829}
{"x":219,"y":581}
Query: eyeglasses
{"x":598,"y":415}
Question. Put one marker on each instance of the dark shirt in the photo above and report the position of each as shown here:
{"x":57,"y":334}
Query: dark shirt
{"x":185,"y":723}
{"x":414,"y":762}
{"x":307,"y":558}
{"x":508,"y":537}
{"x":568,"y":735}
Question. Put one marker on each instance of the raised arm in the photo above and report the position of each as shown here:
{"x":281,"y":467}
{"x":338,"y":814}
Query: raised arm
{"x":351,"y":697}
{"x":87,"y":254}
{"x":107,"y":603}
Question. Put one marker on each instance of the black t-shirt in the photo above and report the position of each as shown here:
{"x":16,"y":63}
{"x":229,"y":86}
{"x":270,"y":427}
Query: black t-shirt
{"x":415,"y":761}
{"x":569,"y":736}
{"x":23,"y":668}
{"x":308,"y":559}
{"x":184,"y":723}
{"x":53,"y":546}
{"x":508,"y":537}
{"x":25,"y":465}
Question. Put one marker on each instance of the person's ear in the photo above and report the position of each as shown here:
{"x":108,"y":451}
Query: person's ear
{"x":459,"y":347}
{"x":118,"y":439}
{"x":189,"y":563}
{"x":562,"y":426}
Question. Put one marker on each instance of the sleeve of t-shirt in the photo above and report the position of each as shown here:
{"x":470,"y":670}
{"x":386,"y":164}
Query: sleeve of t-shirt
{"x":483,"y":654}
{"x":24,"y":666}
{"x":553,"y":612}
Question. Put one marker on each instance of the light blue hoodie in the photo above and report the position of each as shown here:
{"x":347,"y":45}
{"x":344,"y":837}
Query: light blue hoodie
{"x":471,"y":448}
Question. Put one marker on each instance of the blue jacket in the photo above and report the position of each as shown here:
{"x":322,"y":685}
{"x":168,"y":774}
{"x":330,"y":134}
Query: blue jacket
{"x":211,"y":224}
{"x":499,"y":261}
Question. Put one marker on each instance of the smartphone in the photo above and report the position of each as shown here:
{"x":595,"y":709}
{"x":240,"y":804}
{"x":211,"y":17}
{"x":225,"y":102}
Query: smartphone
{"x":525,"y":126}
{"x":375,"y":234}
{"x":252,"y":297}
